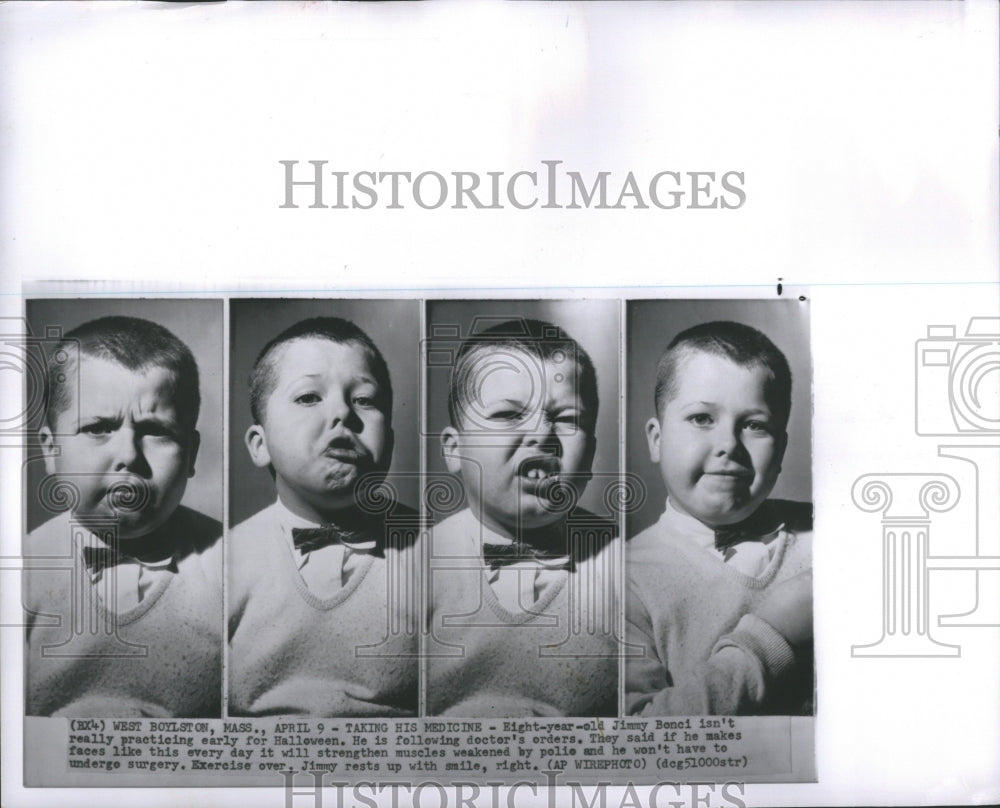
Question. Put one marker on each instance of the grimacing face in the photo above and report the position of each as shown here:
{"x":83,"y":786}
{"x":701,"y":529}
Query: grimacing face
{"x":532,"y":429}
{"x":123,"y":446}
{"x":324,"y":425}
{"x":719,"y":444}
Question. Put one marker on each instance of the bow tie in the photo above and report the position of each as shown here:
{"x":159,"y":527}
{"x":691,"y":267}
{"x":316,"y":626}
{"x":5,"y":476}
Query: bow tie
{"x":307,"y":539}
{"x":98,"y":559}
{"x":501,"y":555}
{"x":762,"y":522}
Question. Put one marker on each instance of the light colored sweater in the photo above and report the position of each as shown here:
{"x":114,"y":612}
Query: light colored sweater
{"x":690,"y":612}
{"x":558,"y":659}
{"x":293,"y":653}
{"x":161,"y":658}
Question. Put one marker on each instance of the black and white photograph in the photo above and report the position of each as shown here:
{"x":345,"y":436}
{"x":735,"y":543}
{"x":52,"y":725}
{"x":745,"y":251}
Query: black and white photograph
{"x":522,"y":479}
{"x":323,"y":597}
{"x":719,"y":557}
{"x":123,"y":510}
{"x":485,"y":404}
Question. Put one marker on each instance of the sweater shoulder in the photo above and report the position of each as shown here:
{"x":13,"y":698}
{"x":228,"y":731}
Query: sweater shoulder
{"x":49,"y":538}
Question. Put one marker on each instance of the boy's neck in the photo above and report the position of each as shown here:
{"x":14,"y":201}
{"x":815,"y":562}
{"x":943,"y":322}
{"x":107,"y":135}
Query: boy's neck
{"x":335,"y":513}
{"x":759,"y":519}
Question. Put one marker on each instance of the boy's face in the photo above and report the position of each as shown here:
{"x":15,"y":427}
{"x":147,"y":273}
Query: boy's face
{"x":532,"y":429}
{"x":720,"y":445}
{"x":324,"y":425}
{"x":129,"y":442}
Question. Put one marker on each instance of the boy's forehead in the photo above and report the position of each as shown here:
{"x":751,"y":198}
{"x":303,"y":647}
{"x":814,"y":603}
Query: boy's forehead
{"x":512,"y":372}
{"x":297,"y":355}
{"x":105,"y":383}
{"x":697,"y":371}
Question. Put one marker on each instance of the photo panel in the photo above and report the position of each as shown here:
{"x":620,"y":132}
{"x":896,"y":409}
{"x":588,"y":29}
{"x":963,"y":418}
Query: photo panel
{"x":123,"y":508}
{"x":719,"y":556}
{"x":522,"y":488}
{"x":324,"y":593}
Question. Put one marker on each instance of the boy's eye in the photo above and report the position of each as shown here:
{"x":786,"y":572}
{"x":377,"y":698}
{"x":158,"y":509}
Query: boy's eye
{"x":701,"y":419}
{"x":506,"y":415}
{"x":97,"y":429}
{"x":365,"y":401}
{"x":757,"y":427}
{"x":307,"y":398}
{"x":566,"y":421}
{"x":157,"y":430}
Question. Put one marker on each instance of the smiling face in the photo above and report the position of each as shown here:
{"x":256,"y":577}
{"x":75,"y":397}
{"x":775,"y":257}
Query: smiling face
{"x":121,"y":442}
{"x":325,"y":424}
{"x":719,"y":444}
{"x":525,"y":429}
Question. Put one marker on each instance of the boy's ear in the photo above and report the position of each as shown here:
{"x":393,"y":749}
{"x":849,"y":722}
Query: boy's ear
{"x":257,"y":446}
{"x":193,"y":451}
{"x":49,"y":449}
{"x":450,"y":449}
{"x":653,"y":439}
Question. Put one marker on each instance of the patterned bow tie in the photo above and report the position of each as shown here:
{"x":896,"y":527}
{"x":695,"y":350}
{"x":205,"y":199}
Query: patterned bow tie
{"x":501,"y":555}
{"x":307,"y":539}
{"x":98,"y":559}
{"x":761,"y":523}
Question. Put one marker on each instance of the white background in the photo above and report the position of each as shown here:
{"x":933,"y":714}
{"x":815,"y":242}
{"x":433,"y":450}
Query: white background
{"x":140,"y":145}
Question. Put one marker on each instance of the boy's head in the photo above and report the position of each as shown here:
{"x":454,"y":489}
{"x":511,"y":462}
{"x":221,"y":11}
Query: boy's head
{"x":125,"y":436}
{"x":723,"y":396}
{"x":523,"y":408}
{"x":321,"y":401}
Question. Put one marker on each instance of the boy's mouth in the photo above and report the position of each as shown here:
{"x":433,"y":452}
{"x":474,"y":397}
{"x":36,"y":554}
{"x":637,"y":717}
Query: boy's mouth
{"x":539,"y":469}
{"x":344,"y":454}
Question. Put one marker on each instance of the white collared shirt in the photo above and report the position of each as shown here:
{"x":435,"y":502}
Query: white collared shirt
{"x":520,"y":585}
{"x":328,"y":569}
{"x":749,"y":557}
{"x":129,"y":581}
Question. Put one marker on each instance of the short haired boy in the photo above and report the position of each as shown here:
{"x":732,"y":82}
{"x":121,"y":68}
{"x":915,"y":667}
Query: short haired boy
{"x":522,"y":598}
{"x":311,"y":602}
{"x":120,"y":446}
{"x":720,"y":588}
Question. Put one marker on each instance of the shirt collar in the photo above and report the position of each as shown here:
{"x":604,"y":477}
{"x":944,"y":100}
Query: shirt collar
{"x":490,"y":536}
{"x":91,"y":539}
{"x":288,"y":520}
{"x":683,"y":524}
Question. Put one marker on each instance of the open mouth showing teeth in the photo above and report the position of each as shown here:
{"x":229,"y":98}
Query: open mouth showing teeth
{"x":539,"y":469}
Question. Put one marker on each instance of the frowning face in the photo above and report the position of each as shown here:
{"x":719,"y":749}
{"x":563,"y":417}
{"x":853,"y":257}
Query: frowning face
{"x":325,"y":425}
{"x":719,"y":444}
{"x":123,"y":446}
{"x":529,"y":431}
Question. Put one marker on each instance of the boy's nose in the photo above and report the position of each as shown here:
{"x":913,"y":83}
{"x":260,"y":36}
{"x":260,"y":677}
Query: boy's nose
{"x":543,"y":435}
{"x":127,"y":452}
{"x":338,"y":409}
{"x":726,"y":440}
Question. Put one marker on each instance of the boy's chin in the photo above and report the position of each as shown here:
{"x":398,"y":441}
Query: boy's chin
{"x":125,"y":527}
